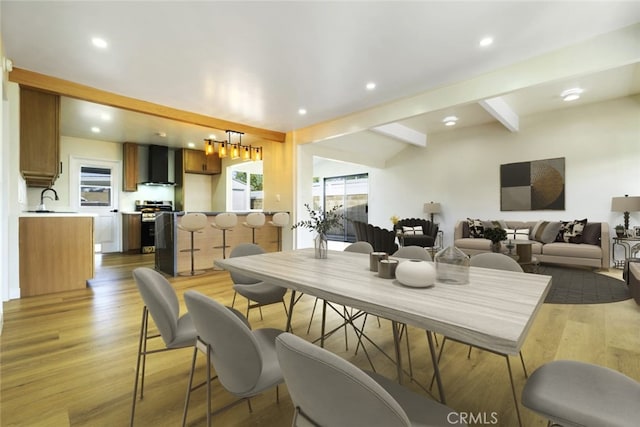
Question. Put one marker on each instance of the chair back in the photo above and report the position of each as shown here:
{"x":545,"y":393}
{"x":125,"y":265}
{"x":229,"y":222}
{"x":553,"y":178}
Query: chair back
{"x":360,"y":247}
{"x":255,"y":219}
{"x":161,"y":300}
{"x":235,"y":351}
{"x":280,"y":219}
{"x":329,"y":391}
{"x":193,"y":221}
{"x":412,"y":252}
{"x":226,"y":220}
{"x":496,"y":261}
{"x":245,"y":249}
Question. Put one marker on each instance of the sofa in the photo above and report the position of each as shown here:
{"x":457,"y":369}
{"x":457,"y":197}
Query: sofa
{"x":632,"y":277}
{"x":416,"y":232}
{"x":580,"y":243}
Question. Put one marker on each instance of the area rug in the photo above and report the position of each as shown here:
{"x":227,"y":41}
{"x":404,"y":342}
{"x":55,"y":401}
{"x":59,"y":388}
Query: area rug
{"x":581,"y":286}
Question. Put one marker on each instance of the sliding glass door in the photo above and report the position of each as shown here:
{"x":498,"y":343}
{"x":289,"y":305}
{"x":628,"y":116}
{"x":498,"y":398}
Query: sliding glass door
{"x":352,"y":193}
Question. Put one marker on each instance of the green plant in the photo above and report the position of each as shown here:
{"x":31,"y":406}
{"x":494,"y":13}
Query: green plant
{"x":496,"y":234}
{"x":321,"y":221}
{"x":620,"y":227}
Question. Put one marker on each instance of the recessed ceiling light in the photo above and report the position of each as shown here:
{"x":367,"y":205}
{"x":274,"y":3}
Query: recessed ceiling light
{"x":450,"y":120}
{"x":191,"y":145}
{"x":302,"y":111}
{"x":371,"y":86}
{"x":106,"y":117}
{"x":161,"y":134}
{"x":571,"y":94}
{"x":99,"y":42}
{"x":95,"y":129}
{"x":212,"y":136}
{"x":486,"y":41}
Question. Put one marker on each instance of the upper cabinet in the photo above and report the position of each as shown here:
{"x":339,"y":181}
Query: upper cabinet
{"x":130,"y":167}
{"x":196,"y":161}
{"x":39,"y":137}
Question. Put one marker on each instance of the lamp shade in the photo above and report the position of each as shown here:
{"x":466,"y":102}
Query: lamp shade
{"x":625,"y":204}
{"x":432,"y":208}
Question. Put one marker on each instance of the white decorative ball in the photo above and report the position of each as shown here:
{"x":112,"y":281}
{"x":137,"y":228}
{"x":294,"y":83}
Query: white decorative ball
{"x":416,"y":273}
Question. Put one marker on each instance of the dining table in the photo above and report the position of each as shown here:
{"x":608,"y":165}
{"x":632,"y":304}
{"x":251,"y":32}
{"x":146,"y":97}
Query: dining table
{"x":493,"y":311}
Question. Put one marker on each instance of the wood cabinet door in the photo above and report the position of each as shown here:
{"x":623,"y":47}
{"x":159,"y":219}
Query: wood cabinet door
{"x":130,"y":166}
{"x":131,"y":232}
{"x":213,"y":164}
{"x":194,"y":161}
{"x":39,"y":137}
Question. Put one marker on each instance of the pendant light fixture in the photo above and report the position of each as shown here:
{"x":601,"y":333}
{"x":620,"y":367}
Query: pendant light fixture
{"x":231,"y":149}
{"x":208,"y":148}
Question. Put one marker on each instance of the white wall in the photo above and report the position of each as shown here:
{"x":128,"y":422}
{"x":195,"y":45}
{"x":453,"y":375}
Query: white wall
{"x":460,"y":168}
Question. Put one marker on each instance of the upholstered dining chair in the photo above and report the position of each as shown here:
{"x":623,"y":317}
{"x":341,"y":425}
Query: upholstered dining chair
{"x":192,"y":223}
{"x":572,"y":394}
{"x":224,"y":221}
{"x":244,"y":360}
{"x":280,"y":220}
{"x":257,"y":292}
{"x":176,"y":331}
{"x":254,"y":220}
{"x":327,"y":390}
{"x":412,"y":252}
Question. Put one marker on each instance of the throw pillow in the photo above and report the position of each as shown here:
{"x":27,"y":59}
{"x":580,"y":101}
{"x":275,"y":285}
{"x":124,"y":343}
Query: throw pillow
{"x":591,"y":234}
{"x":545,"y":231}
{"x":412,"y":230}
{"x":476,"y":228}
{"x":571,"y":231}
{"x":517,"y":233}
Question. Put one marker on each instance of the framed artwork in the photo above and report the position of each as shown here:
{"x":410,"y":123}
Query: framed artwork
{"x":636,"y":232}
{"x":532,"y":186}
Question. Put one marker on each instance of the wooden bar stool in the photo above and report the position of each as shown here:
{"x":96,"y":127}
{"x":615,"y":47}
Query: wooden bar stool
{"x":254,"y":220}
{"x":224,"y":221}
{"x":280,"y":220}
{"x":193,"y":222}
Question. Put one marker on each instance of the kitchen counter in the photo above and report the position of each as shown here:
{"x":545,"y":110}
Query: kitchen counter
{"x":27,"y":214}
{"x":56,"y":252}
{"x":173,"y":244}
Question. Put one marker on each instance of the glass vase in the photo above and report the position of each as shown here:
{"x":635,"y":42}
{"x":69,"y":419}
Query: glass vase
{"x":452,"y":266}
{"x":320,"y":244}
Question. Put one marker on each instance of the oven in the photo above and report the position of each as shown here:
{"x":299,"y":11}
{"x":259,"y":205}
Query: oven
{"x":148,"y":210}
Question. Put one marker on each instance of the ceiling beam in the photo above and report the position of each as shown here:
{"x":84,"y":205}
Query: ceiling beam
{"x":87,"y":93}
{"x":600,"y":53}
{"x":502,"y":112}
{"x":402,"y":133}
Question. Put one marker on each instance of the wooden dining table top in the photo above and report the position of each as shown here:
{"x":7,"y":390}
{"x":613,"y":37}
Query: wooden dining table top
{"x":495,"y":310}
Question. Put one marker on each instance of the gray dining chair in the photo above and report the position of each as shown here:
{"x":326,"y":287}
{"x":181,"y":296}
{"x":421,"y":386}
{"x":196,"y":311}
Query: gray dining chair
{"x":330,"y":391}
{"x":412,"y":252}
{"x":572,"y":394}
{"x":160,"y":300}
{"x":257,"y":292}
{"x":244,"y":360}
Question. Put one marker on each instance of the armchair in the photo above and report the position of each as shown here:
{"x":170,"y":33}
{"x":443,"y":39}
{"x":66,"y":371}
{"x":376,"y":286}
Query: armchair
{"x":381,"y":239}
{"x":408,"y":238}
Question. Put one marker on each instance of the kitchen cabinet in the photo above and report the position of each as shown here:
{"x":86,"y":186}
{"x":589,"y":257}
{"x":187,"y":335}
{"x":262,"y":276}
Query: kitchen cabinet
{"x":130,"y":166}
{"x":39,"y":137}
{"x":131,"y":232}
{"x":56,"y":253}
{"x":196,"y":161}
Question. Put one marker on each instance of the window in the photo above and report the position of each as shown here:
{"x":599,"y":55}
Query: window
{"x":246,"y":181}
{"x":95,"y":186}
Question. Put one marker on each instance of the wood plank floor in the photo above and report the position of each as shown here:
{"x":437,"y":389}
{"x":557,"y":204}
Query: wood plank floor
{"x":68,"y":359}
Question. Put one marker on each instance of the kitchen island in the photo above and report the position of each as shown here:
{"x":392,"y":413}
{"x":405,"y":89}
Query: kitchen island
{"x":172,"y":254}
{"x":56,"y":252}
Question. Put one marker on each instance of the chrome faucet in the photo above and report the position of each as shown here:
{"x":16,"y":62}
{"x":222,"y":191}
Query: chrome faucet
{"x":42,"y":207}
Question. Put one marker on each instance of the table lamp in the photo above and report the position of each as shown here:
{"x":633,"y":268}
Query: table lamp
{"x":625,"y":204}
{"x":432,"y":208}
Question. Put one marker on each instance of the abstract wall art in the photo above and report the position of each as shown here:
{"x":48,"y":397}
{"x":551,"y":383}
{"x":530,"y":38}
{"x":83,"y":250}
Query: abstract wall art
{"x":532,"y":186}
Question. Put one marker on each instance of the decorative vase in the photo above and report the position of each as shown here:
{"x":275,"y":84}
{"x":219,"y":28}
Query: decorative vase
{"x":619,"y":233}
{"x":452,"y":266}
{"x":320,"y":243}
{"x":496,"y":247}
{"x":416,"y":273}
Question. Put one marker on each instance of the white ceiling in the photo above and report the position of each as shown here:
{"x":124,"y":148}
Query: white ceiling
{"x":257,"y":63}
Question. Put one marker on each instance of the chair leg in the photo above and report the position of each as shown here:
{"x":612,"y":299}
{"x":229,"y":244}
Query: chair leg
{"x":234,"y":298}
{"x":208,"y":385}
{"x":141,"y":343}
{"x":224,"y":244}
{"x":192,"y":257}
{"x":312,"y":312}
{"x":186,"y":400}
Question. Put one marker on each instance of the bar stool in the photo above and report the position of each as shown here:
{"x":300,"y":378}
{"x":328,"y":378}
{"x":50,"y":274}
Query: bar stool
{"x":224,"y":221}
{"x":193,"y":222}
{"x":254,"y":220}
{"x":280,"y":220}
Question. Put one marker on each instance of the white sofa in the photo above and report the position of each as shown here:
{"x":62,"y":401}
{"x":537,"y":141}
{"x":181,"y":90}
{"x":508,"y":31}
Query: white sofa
{"x":587,"y":254}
